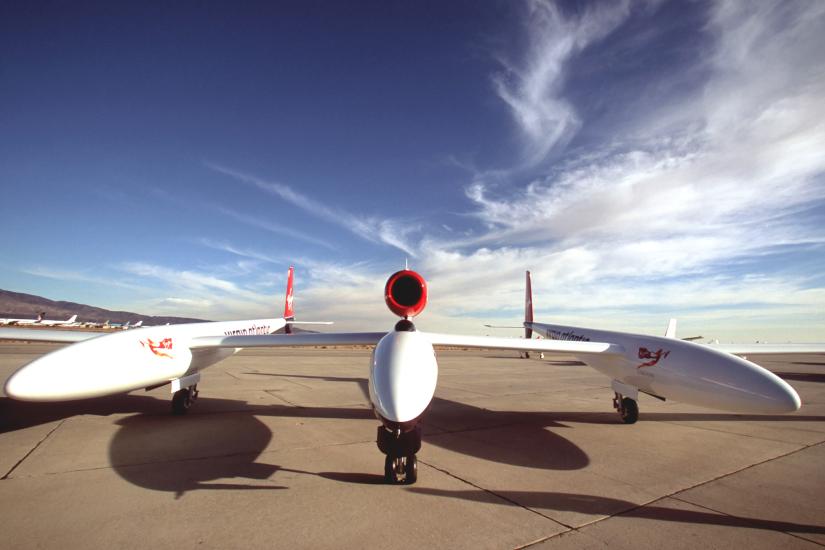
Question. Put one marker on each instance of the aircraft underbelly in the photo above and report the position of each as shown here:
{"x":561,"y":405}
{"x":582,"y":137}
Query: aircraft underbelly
{"x":202,"y":358}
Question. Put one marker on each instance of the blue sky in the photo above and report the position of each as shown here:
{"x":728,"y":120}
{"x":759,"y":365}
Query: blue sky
{"x":643,"y":159}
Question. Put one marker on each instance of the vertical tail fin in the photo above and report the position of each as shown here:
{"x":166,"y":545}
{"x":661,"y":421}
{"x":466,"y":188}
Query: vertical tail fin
{"x":671,"y":329}
{"x":72,"y":319}
{"x":289,"y":313}
{"x":528,"y":305}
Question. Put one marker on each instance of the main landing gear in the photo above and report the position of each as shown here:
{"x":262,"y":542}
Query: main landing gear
{"x":183,"y":399}
{"x":627,"y":408}
{"x":184,"y":392}
{"x":401,"y":463}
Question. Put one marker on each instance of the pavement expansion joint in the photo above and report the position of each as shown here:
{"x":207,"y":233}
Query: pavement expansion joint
{"x":493,"y":493}
{"x":753,"y":522}
{"x":657,"y":499}
{"x":284,"y":399}
{"x":28,"y":454}
{"x":751,"y":436}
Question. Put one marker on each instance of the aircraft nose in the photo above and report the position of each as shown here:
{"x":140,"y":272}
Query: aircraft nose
{"x":403,"y":376}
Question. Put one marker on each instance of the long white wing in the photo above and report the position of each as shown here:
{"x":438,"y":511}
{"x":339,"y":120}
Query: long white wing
{"x":287,"y":340}
{"x":38,"y":335}
{"x":560,"y":347}
{"x":769,"y":349}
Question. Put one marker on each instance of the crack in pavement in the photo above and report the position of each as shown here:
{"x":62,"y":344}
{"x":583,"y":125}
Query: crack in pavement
{"x":674,"y":496}
{"x":28,"y":454}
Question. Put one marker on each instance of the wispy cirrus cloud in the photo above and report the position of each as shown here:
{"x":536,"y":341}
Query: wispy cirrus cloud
{"x":242,"y":252}
{"x":687,"y":210}
{"x":186,"y":279}
{"x":533,"y":87}
{"x":272,"y":227}
{"x":78,"y":276}
{"x":659,"y":214}
{"x":204,"y":294}
{"x":377,"y":230}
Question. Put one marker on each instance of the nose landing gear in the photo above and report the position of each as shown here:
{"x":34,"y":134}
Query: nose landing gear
{"x":402,"y":469}
{"x":401,"y":463}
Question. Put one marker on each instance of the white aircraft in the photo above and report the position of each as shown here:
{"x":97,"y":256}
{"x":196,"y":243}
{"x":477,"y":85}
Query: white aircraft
{"x":669,"y":368}
{"x":23,"y":321}
{"x":39,"y":321}
{"x":403,"y":368}
{"x":56,"y":323}
{"x":127,"y":360}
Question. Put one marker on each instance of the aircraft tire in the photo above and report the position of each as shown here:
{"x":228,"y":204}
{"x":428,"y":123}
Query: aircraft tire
{"x":411,"y":470}
{"x":390,"y":472}
{"x":629,"y":411}
{"x":181,"y":401}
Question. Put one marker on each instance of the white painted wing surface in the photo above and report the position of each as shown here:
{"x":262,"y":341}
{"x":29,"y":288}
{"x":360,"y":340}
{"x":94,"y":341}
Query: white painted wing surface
{"x":769,"y":349}
{"x":37,"y":335}
{"x":558,"y":347}
{"x":287,"y":340}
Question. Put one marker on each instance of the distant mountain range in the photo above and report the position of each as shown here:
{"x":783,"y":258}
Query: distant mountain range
{"x":27,"y":306}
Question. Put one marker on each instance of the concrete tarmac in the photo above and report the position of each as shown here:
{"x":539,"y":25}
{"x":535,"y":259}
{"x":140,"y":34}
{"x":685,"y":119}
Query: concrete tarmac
{"x":279,"y":452}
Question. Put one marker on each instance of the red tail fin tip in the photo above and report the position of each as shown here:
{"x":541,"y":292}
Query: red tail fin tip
{"x":289,"y":313}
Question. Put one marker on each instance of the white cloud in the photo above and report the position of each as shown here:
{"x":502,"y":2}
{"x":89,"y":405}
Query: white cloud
{"x":725,"y":183}
{"x":676,"y":216}
{"x":533,"y":87}
{"x":242,"y":252}
{"x":270,"y":226}
{"x":390,"y":232}
{"x":78,"y":276}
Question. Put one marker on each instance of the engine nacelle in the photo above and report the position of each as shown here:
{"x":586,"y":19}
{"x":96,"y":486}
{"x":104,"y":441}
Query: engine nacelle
{"x":406,"y":293}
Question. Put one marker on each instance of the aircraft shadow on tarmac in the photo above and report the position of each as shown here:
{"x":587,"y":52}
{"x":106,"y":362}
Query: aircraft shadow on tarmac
{"x":802,"y":376}
{"x":220,"y":439}
{"x":592,"y":504}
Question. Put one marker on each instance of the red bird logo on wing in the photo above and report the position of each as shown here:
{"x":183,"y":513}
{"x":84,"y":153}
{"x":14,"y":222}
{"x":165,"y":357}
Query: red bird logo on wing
{"x":653,"y":356}
{"x":155,"y":347}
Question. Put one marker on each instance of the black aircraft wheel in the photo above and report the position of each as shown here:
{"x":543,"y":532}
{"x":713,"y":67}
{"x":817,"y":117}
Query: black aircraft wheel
{"x":411,"y":470}
{"x":182,"y":400}
{"x":629,"y":411}
{"x":392,"y":465}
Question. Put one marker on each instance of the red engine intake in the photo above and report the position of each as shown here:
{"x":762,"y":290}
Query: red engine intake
{"x":406,"y":293}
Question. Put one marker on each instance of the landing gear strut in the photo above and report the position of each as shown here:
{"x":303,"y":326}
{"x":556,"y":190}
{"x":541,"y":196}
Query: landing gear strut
{"x":627,"y":407}
{"x":183,"y":399}
{"x":401,"y":463}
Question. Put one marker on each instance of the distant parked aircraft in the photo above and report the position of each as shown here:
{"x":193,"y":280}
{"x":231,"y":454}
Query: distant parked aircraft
{"x":39,"y":321}
{"x":50,"y":323}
